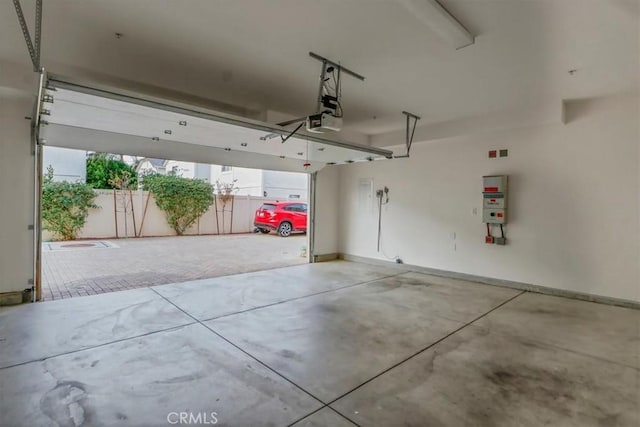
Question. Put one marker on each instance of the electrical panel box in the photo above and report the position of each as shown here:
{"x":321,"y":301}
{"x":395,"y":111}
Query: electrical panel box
{"x":494,"y":199}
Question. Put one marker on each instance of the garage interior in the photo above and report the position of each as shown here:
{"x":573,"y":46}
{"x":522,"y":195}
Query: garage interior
{"x":474,"y":211}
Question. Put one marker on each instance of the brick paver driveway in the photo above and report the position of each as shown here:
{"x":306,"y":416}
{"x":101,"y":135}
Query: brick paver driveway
{"x":77,"y":268}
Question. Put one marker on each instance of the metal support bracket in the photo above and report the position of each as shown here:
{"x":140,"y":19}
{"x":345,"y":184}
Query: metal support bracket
{"x":327,"y":66}
{"x":410,"y":131}
{"x":323,"y":75}
{"x":32,"y":46}
{"x":326,"y":61}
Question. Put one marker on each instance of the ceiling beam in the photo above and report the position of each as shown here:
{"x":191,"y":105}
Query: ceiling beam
{"x":550,"y":112}
{"x":440,"y":21}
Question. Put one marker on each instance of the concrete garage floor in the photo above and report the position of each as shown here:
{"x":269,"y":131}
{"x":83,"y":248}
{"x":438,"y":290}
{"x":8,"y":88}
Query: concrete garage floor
{"x":331,"y":344}
{"x":72,"y":269}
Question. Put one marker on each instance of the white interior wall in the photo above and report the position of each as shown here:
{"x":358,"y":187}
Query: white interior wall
{"x":326,"y":211}
{"x":574,"y":220}
{"x":16,"y":189}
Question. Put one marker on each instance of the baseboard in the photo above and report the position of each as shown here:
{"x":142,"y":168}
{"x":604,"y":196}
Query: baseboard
{"x":497,"y":282}
{"x":325,"y":257}
{"x":14,"y":298}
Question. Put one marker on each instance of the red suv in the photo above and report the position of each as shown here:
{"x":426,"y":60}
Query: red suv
{"x":285,"y":217}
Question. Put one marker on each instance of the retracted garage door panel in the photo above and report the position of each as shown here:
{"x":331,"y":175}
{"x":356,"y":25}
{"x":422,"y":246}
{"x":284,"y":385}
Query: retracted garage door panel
{"x":105,"y":120}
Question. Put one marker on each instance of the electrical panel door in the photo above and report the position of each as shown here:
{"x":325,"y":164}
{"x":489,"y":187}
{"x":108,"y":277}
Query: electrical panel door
{"x":494,"y":195}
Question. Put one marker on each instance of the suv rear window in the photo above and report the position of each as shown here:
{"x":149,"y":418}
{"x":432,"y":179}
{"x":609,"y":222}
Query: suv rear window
{"x":267,"y":207}
{"x":298,"y":207}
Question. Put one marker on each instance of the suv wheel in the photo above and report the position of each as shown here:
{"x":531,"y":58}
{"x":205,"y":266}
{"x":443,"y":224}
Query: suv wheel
{"x":284,"y":229}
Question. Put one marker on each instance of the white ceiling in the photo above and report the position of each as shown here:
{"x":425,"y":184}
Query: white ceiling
{"x":254,"y":53}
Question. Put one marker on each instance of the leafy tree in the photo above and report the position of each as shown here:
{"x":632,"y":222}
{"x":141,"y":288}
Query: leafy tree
{"x":124,"y":182}
{"x":103,"y":168}
{"x":225,"y":192}
{"x":65,"y":206}
{"x":183,"y":200}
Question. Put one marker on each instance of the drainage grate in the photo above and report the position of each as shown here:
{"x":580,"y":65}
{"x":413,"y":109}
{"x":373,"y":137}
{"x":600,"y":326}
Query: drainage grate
{"x":79,"y":245}
{"x":66,"y":246}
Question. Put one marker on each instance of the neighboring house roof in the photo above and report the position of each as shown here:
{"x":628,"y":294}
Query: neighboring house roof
{"x":155,"y":163}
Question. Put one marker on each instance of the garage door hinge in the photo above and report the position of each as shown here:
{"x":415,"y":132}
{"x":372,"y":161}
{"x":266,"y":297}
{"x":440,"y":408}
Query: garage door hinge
{"x":47,"y":98}
{"x":30,"y":227}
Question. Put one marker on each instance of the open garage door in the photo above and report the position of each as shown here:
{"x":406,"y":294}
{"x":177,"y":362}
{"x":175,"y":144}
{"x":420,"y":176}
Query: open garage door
{"x":100,"y":119}
{"x":89,"y":117}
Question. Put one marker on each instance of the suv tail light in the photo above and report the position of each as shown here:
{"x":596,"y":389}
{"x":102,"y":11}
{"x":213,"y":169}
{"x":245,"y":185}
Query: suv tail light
{"x":264,"y":213}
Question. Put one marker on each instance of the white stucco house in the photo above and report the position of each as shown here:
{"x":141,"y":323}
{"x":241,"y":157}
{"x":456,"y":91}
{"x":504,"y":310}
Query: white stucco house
{"x":148,"y":165}
{"x":263,"y":183}
{"x":68,"y":165}
{"x":249,"y":182}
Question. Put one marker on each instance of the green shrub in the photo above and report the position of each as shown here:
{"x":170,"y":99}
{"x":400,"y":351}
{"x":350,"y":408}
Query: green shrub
{"x":183,"y":200}
{"x":103,"y":168}
{"x":65,"y":206}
